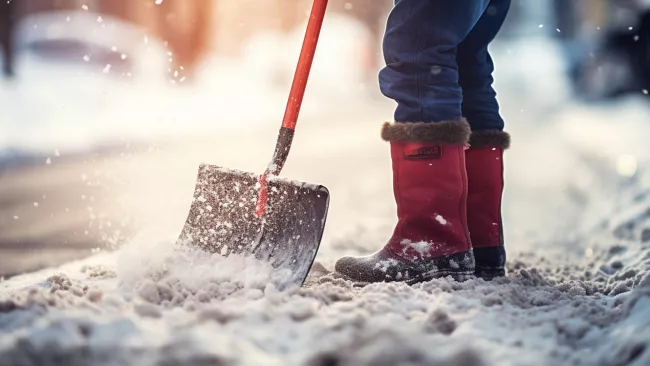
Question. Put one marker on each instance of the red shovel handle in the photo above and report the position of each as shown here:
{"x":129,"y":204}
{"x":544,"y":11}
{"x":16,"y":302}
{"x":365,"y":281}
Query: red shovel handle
{"x":304,"y":64}
{"x":285,"y":138}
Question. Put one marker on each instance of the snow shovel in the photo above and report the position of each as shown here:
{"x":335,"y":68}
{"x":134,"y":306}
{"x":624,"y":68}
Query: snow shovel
{"x":275,"y":220}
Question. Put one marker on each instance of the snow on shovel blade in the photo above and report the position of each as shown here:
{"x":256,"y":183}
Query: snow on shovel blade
{"x":222,"y":220}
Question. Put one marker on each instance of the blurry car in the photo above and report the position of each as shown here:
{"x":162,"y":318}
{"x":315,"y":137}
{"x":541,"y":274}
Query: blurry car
{"x":92,"y":40}
{"x":606,"y":46}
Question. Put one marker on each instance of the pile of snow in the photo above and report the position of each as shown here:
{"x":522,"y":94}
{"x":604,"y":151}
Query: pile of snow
{"x":114,"y":86}
{"x":138,"y":307}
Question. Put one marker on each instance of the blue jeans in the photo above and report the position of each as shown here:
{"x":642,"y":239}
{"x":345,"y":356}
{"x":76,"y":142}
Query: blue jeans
{"x":437,"y":62}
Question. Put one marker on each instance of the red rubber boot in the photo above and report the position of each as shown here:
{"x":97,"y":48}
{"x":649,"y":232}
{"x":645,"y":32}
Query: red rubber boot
{"x":431,"y":238}
{"x":484,"y":162}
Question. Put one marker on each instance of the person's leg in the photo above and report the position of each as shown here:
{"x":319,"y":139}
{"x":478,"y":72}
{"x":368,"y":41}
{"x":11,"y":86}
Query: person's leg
{"x":484,"y":159}
{"x":420,"y":44}
{"x":427,"y":143}
{"x":475,"y":67}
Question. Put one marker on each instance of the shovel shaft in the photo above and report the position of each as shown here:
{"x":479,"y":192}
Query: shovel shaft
{"x":304,"y":64}
{"x":285,"y":137}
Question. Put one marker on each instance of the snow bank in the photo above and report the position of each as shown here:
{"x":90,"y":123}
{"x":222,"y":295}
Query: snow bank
{"x":79,"y":104}
{"x":148,"y":304}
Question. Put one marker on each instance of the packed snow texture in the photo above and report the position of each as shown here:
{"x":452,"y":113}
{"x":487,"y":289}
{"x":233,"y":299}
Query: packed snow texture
{"x":578,"y":290}
{"x":193,"y":308}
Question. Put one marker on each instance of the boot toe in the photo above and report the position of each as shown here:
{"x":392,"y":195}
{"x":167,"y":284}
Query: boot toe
{"x":381,"y":266}
{"x":343,"y":265}
{"x":384,"y":267}
{"x":356,"y":269}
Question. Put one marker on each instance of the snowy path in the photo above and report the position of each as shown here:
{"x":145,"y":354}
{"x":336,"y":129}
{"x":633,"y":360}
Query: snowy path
{"x":579,"y":297}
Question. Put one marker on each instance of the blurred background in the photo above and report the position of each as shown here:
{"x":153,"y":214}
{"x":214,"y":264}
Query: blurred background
{"x":108,"y":106}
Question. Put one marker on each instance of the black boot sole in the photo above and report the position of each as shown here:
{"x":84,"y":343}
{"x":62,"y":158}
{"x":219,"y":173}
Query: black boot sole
{"x":457,"y":276}
{"x":489,"y":274}
{"x":460,"y":266}
{"x":490,"y":262}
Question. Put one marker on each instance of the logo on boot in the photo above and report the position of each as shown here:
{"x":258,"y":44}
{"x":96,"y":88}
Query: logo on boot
{"x":427,"y":152}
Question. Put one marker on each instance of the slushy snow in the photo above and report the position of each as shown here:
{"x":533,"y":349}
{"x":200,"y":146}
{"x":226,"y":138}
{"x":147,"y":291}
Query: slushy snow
{"x":577,"y":298}
{"x":194,"y":308}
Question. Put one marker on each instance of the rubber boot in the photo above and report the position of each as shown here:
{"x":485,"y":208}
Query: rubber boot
{"x":431,"y":238}
{"x":484,"y":162}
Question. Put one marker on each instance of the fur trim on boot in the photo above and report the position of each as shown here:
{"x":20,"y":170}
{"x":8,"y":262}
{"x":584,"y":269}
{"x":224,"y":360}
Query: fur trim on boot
{"x":490,"y":138}
{"x":445,"y":132}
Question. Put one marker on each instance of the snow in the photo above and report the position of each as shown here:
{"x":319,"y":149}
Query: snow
{"x":576,"y":215}
{"x":386,"y":264}
{"x":188,"y":308}
{"x":147,"y":304}
{"x":421,"y":247}
{"x":441,"y":220}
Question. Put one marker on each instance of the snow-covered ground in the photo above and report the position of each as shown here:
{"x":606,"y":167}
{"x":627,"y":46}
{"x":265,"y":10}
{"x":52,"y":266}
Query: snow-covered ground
{"x":576,"y":213}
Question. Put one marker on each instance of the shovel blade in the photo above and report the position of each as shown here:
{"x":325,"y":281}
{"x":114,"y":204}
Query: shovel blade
{"x":222,"y":220}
